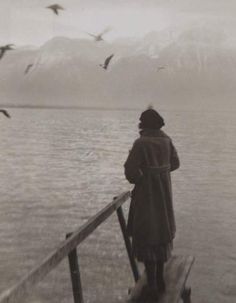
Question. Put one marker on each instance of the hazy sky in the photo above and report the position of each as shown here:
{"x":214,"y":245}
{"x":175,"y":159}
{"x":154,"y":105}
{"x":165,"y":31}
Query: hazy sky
{"x":29,"y":22}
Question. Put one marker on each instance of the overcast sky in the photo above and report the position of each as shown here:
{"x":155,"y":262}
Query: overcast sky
{"x":26,"y":22}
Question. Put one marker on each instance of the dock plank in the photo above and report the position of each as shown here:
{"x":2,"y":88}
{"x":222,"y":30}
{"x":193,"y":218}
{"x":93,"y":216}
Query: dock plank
{"x":176,"y":274}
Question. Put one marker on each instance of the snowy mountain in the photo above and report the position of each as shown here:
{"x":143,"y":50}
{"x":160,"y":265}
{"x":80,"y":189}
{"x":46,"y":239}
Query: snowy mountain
{"x":172,"y":69}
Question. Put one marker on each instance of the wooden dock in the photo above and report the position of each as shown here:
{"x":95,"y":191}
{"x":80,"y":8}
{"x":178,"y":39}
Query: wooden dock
{"x":176,"y":271}
{"x":176,"y":274}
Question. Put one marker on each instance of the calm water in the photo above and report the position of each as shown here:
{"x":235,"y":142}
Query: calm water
{"x":59,"y":167}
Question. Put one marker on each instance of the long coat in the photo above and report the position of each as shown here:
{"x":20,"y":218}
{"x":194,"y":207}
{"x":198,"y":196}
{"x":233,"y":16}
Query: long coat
{"x":151,"y":219}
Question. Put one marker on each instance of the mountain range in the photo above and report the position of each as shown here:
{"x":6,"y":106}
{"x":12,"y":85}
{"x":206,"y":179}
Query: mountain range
{"x":194,"y":68}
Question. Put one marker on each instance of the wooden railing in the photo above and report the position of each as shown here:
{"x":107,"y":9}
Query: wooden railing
{"x":68,"y":248}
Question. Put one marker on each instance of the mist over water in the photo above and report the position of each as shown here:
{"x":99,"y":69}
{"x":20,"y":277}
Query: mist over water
{"x":59,"y":167}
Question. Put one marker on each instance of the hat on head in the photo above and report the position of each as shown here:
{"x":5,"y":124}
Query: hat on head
{"x":151,"y":119}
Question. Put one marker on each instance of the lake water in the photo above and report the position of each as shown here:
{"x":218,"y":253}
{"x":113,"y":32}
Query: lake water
{"x":59,"y":167}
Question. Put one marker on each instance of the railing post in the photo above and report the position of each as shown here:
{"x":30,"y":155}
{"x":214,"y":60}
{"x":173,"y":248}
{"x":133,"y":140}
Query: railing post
{"x":186,"y":295}
{"x":75,"y":275}
{"x":128,"y":245}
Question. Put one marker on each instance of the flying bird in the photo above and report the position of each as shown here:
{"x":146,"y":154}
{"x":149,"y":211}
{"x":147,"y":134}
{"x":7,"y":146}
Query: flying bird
{"x":107,"y":61}
{"x":29,"y":66}
{"x":5,"y":113}
{"x":160,"y":68}
{"x":5,"y":48}
{"x":55,"y":8}
{"x":99,"y":37}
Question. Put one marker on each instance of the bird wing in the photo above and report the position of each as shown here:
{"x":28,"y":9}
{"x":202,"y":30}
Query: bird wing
{"x":5,"y":48}
{"x":55,"y":7}
{"x":9,"y":45}
{"x":2,"y":51}
{"x":107,"y":61}
{"x":59,"y":6}
{"x":28,"y":68}
{"x":92,"y":35}
{"x":55,"y":11}
{"x":106,"y":30}
{"x":5,"y":113}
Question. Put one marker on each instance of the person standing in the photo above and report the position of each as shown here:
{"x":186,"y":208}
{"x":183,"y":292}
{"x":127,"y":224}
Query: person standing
{"x":151,"y":221}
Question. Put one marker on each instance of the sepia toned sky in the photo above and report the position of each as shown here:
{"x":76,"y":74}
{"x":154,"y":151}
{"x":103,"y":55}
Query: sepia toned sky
{"x":28,"y":22}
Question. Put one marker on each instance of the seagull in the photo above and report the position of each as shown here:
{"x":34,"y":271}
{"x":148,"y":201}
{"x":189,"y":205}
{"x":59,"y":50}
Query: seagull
{"x":99,"y":37}
{"x":55,"y":8}
{"x":29,"y":66}
{"x":160,"y":68}
{"x":107,"y":61}
{"x":5,"y":113}
{"x":5,"y":48}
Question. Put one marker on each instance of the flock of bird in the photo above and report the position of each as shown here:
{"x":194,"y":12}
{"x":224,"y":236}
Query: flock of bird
{"x":55,"y":9}
{"x":97,"y":37}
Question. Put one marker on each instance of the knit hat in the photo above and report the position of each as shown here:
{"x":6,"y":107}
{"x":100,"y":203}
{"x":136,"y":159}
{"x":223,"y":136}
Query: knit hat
{"x":151,"y":119}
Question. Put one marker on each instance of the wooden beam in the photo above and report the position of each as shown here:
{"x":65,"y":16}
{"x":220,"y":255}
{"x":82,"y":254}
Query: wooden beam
{"x":75,"y":275}
{"x":128,"y":244}
{"x":23,"y":287}
{"x":176,"y":274}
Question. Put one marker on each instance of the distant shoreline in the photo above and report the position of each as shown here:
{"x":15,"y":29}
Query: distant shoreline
{"x":67,"y":107}
{"x":161,"y":109}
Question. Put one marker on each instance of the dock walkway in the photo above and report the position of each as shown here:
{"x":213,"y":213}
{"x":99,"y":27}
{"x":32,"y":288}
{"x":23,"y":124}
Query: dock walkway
{"x":176,"y":274}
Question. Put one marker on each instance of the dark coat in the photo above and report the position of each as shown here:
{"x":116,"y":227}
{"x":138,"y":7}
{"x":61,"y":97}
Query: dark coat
{"x":148,"y":166}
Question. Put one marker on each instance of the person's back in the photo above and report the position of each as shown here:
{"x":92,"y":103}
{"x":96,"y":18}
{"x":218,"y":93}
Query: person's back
{"x":156,"y":149}
{"x":151,"y":221}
